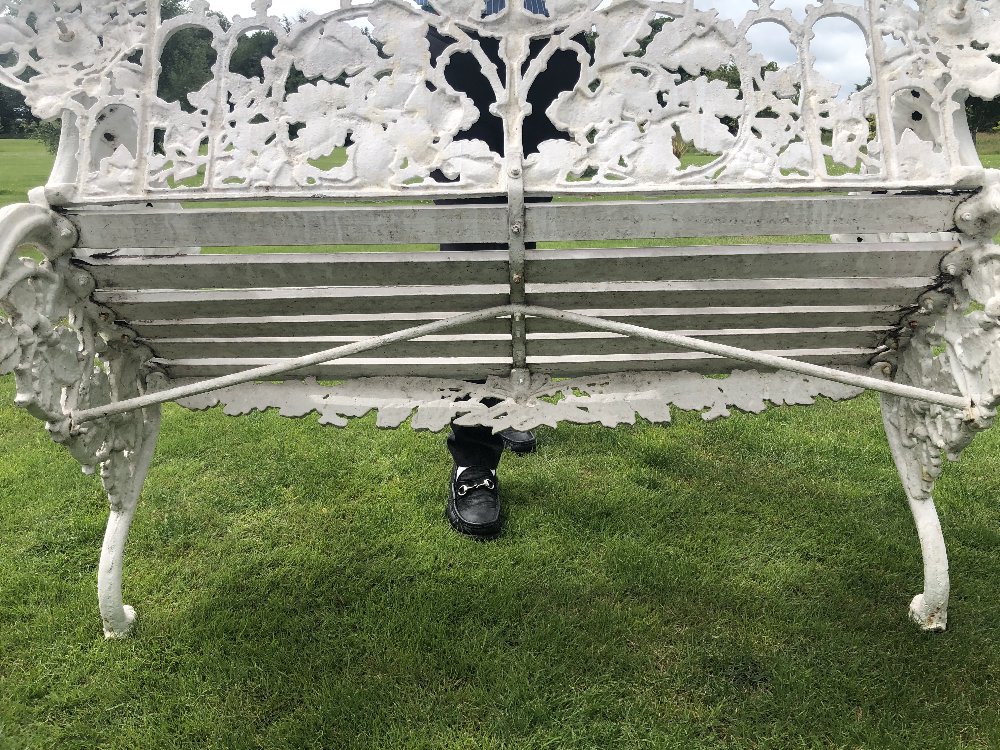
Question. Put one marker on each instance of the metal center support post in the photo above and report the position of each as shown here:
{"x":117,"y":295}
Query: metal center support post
{"x":515,"y":207}
{"x":514,"y":106}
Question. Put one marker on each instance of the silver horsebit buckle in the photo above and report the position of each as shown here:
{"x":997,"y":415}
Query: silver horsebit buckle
{"x":464,"y":489}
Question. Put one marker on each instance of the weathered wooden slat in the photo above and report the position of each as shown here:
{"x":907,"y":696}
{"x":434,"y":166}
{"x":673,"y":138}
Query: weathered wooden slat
{"x":698,"y":320}
{"x":601,"y":343}
{"x":485,"y":345}
{"x":740,"y":217}
{"x":559,"y":221}
{"x":372,"y":324}
{"x":729,"y":292}
{"x":323,"y":225}
{"x":660,"y":319}
{"x":490,"y":267}
{"x":499,"y":345}
{"x":312,"y":301}
{"x":573,"y":366}
{"x":701,"y":322}
{"x":472,"y":368}
{"x":158,"y":305}
{"x":425,"y":192}
{"x":736,"y":262}
{"x":462,"y":368}
{"x":240,"y":271}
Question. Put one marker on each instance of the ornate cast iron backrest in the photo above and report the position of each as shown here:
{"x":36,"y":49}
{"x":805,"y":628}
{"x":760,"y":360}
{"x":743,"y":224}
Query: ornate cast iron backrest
{"x":353,"y":103}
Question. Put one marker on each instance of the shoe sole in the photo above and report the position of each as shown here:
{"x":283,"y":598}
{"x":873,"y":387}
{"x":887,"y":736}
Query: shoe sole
{"x":479,"y":533}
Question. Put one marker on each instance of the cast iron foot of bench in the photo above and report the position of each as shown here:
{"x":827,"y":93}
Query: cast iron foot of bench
{"x":116,"y":617}
{"x":929,"y":618}
{"x":121,"y":627}
{"x":928,"y":609}
{"x":123,"y":475}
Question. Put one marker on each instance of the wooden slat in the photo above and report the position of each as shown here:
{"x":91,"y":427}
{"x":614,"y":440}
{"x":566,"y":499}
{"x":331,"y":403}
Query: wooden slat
{"x":495,"y":345}
{"x":158,"y":305}
{"x":499,"y":345}
{"x":736,"y":262}
{"x":427,"y":191}
{"x":729,"y":292}
{"x":660,"y":319}
{"x":462,"y":368}
{"x":740,"y":217}
{"x":585,"y":220}
{"x":322,"y":225}
{"x":238,"y":271}
{"x":601,"y":343}
{"x":697,"y":320}
{"x":490,"y":267}
{"x":472,"y":368}
{"x":573,"y":366}
{"x":372,"y":324}
{"x":313,"y":301}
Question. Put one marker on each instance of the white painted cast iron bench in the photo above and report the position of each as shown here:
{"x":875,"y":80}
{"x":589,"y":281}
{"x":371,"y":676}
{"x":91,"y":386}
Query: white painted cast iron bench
{"x":353,"y":114}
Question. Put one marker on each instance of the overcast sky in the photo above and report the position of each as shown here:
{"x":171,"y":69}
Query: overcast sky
{"x":839,"y":46}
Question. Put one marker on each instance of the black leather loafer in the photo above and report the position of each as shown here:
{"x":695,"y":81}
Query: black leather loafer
{"x":474,"y":503}
{"x":519,"y":442}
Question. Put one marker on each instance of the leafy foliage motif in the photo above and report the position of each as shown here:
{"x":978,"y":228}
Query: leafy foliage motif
{"x":66,"y":355}
{"x":609,"y":400}
{"x":354,"y":102}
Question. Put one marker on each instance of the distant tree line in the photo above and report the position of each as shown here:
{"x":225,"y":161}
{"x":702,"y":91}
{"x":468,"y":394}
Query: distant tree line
{"x":186,"y":65}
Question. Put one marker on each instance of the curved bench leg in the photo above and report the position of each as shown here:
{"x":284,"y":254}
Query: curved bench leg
{"x":928,"y":609}
{"x":124,"y":474}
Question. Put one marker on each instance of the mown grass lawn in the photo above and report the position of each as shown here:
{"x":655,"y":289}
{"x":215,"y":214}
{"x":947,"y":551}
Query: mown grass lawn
{"x":734,"y":584}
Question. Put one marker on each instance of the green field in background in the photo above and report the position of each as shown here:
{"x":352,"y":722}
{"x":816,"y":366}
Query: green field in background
{"x":704,"y":586}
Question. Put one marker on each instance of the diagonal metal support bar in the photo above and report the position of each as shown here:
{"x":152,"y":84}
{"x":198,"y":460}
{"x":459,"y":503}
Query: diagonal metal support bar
{"x":732,"y":352}
{"x":280,"y":368}
{"x":758,"y":358}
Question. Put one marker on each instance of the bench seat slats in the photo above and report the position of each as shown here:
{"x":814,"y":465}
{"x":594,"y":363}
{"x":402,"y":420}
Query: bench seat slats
{"x":698,"y":320}
{"x":603,"y":343}
{"x":887,"y":259}
{"x":485,"y":345}
{"x":362,"y":324}
{"x":574,"y":366}
{"x":543,"y":266}
{"x":729,"y":292}
{"x":740,"y":217}
{"x":476,"y":368}
{"x":499,"y":345}
{"x":302,"y":225}
{"x":317,"y":300}
{"x":239,"y":271}
{"x":154,"y":305}
{"x":557,"y":221}
{"x":661,"y":319}
{"x":467,"y":368}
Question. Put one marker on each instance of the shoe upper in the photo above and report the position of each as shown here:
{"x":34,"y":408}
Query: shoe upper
{"x":475,"y":495}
